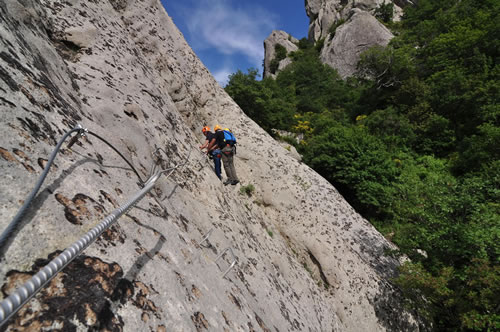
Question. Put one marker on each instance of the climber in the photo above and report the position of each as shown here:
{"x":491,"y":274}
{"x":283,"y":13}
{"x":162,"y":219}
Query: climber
{"x":214,"y":154}
{"x":228,"y":149}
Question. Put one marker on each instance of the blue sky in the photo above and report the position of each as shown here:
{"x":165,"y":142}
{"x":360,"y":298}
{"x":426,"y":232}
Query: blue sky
{"x":228,"y":35}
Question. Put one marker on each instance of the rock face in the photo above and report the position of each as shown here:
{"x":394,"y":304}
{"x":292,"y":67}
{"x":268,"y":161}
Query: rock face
{"x":324,"y":13}
{"x":284,"y":39}
{"x":354,"y":21}
{"x":306,"y":261}
{"x":356,"y":30}
{"x":359,"y":33}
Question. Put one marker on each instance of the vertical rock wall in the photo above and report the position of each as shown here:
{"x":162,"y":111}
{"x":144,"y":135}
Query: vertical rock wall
{"x":348,"y":28}
{"x":284,"y":39}
{"x":306,"y":261}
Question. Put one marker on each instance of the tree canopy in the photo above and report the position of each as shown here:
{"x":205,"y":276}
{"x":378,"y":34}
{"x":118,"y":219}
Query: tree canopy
{"x":413,"y":143}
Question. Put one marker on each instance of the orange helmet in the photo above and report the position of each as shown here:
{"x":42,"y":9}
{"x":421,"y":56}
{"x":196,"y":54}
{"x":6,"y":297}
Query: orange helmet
{"x":205,"y":129}
{"x":217,"y":127}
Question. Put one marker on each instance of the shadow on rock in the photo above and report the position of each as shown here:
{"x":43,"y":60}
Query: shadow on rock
{"x":387,"y":305}
{"x":38,"y":202}
{"x":78,"y":295}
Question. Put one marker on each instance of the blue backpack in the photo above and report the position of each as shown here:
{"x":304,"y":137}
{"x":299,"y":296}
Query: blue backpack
{"x":229,"y":137}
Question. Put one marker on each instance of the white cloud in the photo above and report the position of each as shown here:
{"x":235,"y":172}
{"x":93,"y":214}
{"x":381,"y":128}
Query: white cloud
{"x":229,"y":27}
{"x":222,"y":75}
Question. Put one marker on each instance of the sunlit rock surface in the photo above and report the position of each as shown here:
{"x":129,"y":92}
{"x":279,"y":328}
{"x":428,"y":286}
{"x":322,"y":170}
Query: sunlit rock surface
{"x":306,"y":261}
{"x":352,"y":38}
{"x":284,"y":39}
{"x":346,"y":28}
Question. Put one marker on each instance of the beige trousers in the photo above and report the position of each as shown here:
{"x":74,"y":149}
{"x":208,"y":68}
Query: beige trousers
{"x":227,"y":160}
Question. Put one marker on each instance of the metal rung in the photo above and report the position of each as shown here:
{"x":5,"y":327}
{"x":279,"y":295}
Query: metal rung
{"x":233,"y":262}
{"x":205,"y":238}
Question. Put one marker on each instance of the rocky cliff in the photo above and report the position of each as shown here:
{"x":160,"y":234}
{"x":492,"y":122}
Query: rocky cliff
{"x":277,"y":37}
{"x":306,"y":261}
{"x":348,"y":27}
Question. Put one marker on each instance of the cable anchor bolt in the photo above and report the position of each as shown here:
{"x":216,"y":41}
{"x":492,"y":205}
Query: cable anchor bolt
{"x":82,"y":132}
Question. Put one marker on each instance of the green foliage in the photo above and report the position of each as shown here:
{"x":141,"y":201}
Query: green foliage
{"x":456,"y":58}
{"x":264,"y":101}
{"x":423,"y":289}
{"x":480,"y":149}
{"x":317,"y":86}
{"x":385,"y":12}
{"x":393,"y":128}
{"x":479,"y":307}
{"x":413,"y":143}
{"x":280,"y":54}
{"x":288,"y":139}
{"x":273,"y":65}
{"x":247,"y":190}
{"x":388,"y":67}
{"x":334,"y":26}
{"x":280,"y":51}
{"x":356,"y":162}
{"x":304,"y":44}
{"x":307,"y":269}
{"x":319,"y":45}
{"x":433,"y":295}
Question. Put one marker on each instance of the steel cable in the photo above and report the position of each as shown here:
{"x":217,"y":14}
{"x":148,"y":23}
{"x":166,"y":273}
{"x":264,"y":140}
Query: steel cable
{"x":121,"y":155}
{"x":13,"y":224}
{"x":23,"y":294}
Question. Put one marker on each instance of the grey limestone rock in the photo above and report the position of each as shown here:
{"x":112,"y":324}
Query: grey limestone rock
{"x":284,"y":39}
{"x":331,"y":18}
{"x":324,"y":13}
{"x":348,"y":28}
{"x":306,"y":261}
{"x":359,"y":33}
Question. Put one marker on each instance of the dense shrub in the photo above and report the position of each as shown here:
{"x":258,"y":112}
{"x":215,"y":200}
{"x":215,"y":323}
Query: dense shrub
{"x":279,"y":54}
{"x":413,"y":143}
{"x":385,"y":12}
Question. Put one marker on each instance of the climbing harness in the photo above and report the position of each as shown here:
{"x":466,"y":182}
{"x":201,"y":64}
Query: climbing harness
{"x":13,"y":303}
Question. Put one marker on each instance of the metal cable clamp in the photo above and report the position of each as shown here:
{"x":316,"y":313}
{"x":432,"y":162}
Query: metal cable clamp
{"x":82,"y":132}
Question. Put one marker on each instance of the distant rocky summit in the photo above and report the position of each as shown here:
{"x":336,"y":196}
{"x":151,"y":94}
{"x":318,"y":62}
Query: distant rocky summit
{"x":360,"y":32}
{"x":305,"y":260}
{"x":347,"y":28}
{"x":272,"y":61}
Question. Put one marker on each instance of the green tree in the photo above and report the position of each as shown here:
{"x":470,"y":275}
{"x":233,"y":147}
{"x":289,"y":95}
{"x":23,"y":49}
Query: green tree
{"x":280,"y":54}
{"x":412,"y":143}
{"x":385,"y":12}
{"x":357,"y":163}
{"x":264,"y":101}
